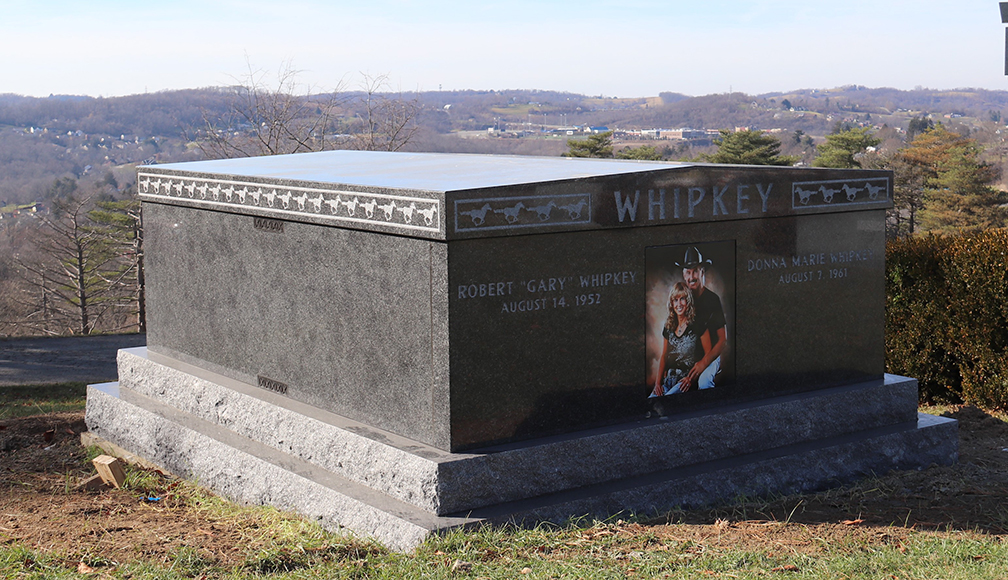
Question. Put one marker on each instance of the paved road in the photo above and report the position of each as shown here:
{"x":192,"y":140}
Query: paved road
{"x":90,"y":359}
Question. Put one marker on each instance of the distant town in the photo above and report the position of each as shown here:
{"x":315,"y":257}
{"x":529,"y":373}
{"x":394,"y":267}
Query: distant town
{"x":98,"y":142}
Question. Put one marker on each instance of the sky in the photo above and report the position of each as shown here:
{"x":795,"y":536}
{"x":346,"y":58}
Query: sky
{"x":630,"y":48}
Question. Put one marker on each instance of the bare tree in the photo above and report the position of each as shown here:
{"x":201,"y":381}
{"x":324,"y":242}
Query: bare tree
{"x":13,"y":290}
{"x":271,"y":116}
{"x":78,"y":274}
{"x":122,"y":225}
{"x":387,"y":123}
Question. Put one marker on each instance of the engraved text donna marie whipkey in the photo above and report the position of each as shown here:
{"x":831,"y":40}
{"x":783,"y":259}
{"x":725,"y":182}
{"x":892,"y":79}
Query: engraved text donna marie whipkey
{"x":810,"y":267}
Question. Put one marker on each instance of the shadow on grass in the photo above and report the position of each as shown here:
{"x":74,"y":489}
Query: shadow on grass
{"x":971,"y":495}
{"x":29,"y":400}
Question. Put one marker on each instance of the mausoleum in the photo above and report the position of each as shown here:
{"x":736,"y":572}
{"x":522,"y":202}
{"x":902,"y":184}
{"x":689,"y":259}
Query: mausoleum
{"x":399,"y":343}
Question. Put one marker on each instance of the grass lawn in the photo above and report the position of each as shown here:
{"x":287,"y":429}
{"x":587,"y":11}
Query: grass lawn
{"x":28,"y":400}
{"x":943,"y":522}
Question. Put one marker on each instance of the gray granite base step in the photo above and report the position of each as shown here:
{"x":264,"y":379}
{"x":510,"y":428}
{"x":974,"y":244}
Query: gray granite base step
{"x":795,"y":468}
{"x":255,"y":446}
{"x":247,"y":471}
{"x":444,"y":483}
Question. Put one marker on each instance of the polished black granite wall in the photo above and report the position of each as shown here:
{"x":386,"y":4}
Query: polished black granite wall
{"x":521,"y":311}
{"x":565,"y":344}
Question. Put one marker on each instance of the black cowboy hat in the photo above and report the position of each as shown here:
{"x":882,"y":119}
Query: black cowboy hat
{"x":692,"y":259}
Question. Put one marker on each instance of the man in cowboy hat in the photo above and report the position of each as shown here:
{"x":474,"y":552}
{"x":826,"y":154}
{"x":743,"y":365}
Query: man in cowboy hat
{"x":709,"y":316}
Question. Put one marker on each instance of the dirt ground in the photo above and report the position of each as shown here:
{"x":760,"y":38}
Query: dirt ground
{"x":41,"y":459}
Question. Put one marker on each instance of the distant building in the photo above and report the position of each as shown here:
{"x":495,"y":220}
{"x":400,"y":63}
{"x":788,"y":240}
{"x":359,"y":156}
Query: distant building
{"x":16,"y":210}
{"x":684,"y":134}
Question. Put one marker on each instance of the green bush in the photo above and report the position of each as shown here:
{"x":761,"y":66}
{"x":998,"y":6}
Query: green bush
{"x":976,"y":273}
{"x":917,"y":337}
{"x":947,"y":316}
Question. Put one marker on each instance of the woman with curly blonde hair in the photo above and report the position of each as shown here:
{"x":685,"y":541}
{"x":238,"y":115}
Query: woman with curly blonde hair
{"x":683,"y":346}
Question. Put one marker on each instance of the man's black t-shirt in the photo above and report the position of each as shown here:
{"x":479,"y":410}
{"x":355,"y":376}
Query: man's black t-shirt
{"x":709,"y":314}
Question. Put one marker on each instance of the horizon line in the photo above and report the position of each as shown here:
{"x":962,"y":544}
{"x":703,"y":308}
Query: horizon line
{"x":493,"y":90}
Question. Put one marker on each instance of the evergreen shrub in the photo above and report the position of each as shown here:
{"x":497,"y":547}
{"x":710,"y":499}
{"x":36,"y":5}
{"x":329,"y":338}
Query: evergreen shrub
{"x":917,"y":337}
{"x":947,"y":316}
{"x":976,"y":274}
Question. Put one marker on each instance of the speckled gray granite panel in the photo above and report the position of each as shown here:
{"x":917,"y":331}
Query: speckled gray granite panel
{"x":340,"y":319}
{"x":443,"y":482}
{"x":248,"y":472}
{"x":440,"y":344}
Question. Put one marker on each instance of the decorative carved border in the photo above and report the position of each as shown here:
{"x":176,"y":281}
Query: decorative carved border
{"x":341,"y":207}
{"x":808,"y":194}
{"x":522,"y":212}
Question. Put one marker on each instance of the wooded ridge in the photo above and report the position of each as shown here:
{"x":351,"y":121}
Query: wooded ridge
{"x":42,"y":139}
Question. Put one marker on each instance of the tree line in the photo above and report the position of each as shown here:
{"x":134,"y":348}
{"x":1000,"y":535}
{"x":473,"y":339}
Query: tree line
{"x":41,"y":139}
{"x":77,"y":267}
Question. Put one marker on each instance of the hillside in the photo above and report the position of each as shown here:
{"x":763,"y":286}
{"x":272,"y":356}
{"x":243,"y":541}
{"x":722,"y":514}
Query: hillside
{"x":103,"y":139}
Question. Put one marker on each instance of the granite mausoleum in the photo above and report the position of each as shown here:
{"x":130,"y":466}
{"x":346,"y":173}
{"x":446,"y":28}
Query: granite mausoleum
{"x":399,"y":343}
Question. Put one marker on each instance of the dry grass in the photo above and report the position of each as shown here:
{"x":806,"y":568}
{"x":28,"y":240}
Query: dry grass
{"x":947,"y":522}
